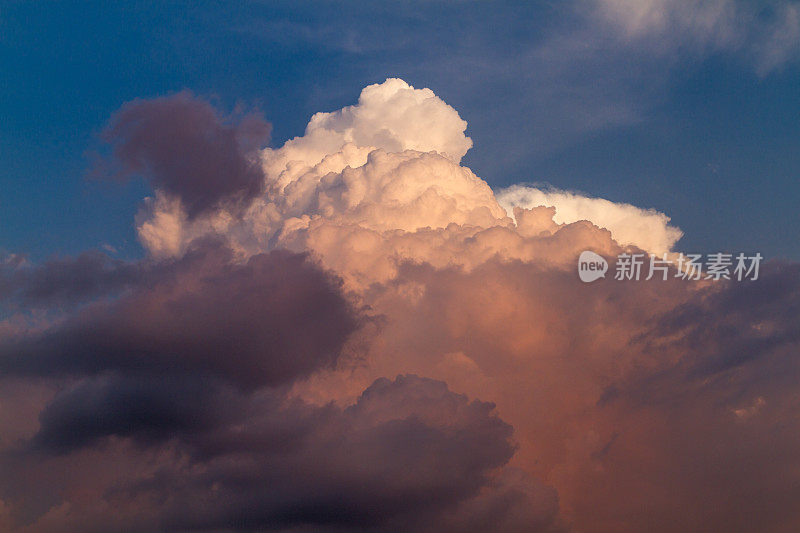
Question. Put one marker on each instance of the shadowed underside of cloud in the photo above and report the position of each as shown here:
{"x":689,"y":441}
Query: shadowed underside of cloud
{"x":179,"y":377}
{"x":267,"y":321}
{"x":408,"y":453}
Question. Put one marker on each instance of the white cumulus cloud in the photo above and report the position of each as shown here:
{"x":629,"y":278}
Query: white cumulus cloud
{"x":647,"y":229}
{"x":381,"y":181}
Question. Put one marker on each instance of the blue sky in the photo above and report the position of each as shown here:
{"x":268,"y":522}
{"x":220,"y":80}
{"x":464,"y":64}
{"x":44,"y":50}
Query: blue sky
{"x":668,"y":108}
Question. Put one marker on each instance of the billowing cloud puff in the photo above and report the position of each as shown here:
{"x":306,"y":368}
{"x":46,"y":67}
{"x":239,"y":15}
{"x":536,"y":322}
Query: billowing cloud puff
{"x":647,"y":229}
{"x":186,"y":149}
{"x":393,"y":116}
{"x":388,"y":163}
{"x":363,"y":195}
{"x":373,"y":342}
{"x":675,"y":394}
{"x":275,"y":317}
{"x":409,"y":452}
{"x":189,"y":362}
{"x":349,"y":167}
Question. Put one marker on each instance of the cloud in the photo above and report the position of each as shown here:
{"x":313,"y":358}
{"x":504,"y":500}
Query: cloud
{"x":647,"y":229}
{"x":391,"y":115}
{"x":373,"y":343}
{"x":266,"y":321}
{"x":149,"y":409}
{"x":64,"y":281}
{"x":188,"y":360}
{"x":767,"y":34}
{"x":407,"y":452}
{"x":185,"y":148}
{"x":365,"y":195}
{"x":637,"y":386}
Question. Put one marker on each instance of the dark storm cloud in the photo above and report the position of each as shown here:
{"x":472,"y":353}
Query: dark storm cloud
{"x":184,"y":147}
{"x":408,"y":447}
{"x":189,"y":362}
{"x":737,"y":325}
{"x":148,"y":410}
{"x":66,"y":281}
{"x":268,"y":321}
{"x":407,"y":450}
{"x":408,"y":454}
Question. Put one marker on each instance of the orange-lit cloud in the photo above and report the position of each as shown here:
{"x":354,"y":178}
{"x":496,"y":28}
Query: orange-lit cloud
{"x":237,"y":384}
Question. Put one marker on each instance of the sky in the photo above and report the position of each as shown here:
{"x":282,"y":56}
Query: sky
{"x":611,"y":102}
{"x":333,"y":267}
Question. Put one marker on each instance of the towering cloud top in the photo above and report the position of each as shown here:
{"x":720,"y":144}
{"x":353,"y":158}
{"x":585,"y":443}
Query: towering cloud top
{"x":361,"y":174}
{"x":393,"y":116}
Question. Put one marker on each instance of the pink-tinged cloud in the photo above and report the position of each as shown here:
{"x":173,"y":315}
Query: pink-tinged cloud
{"x":371,"y":342}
